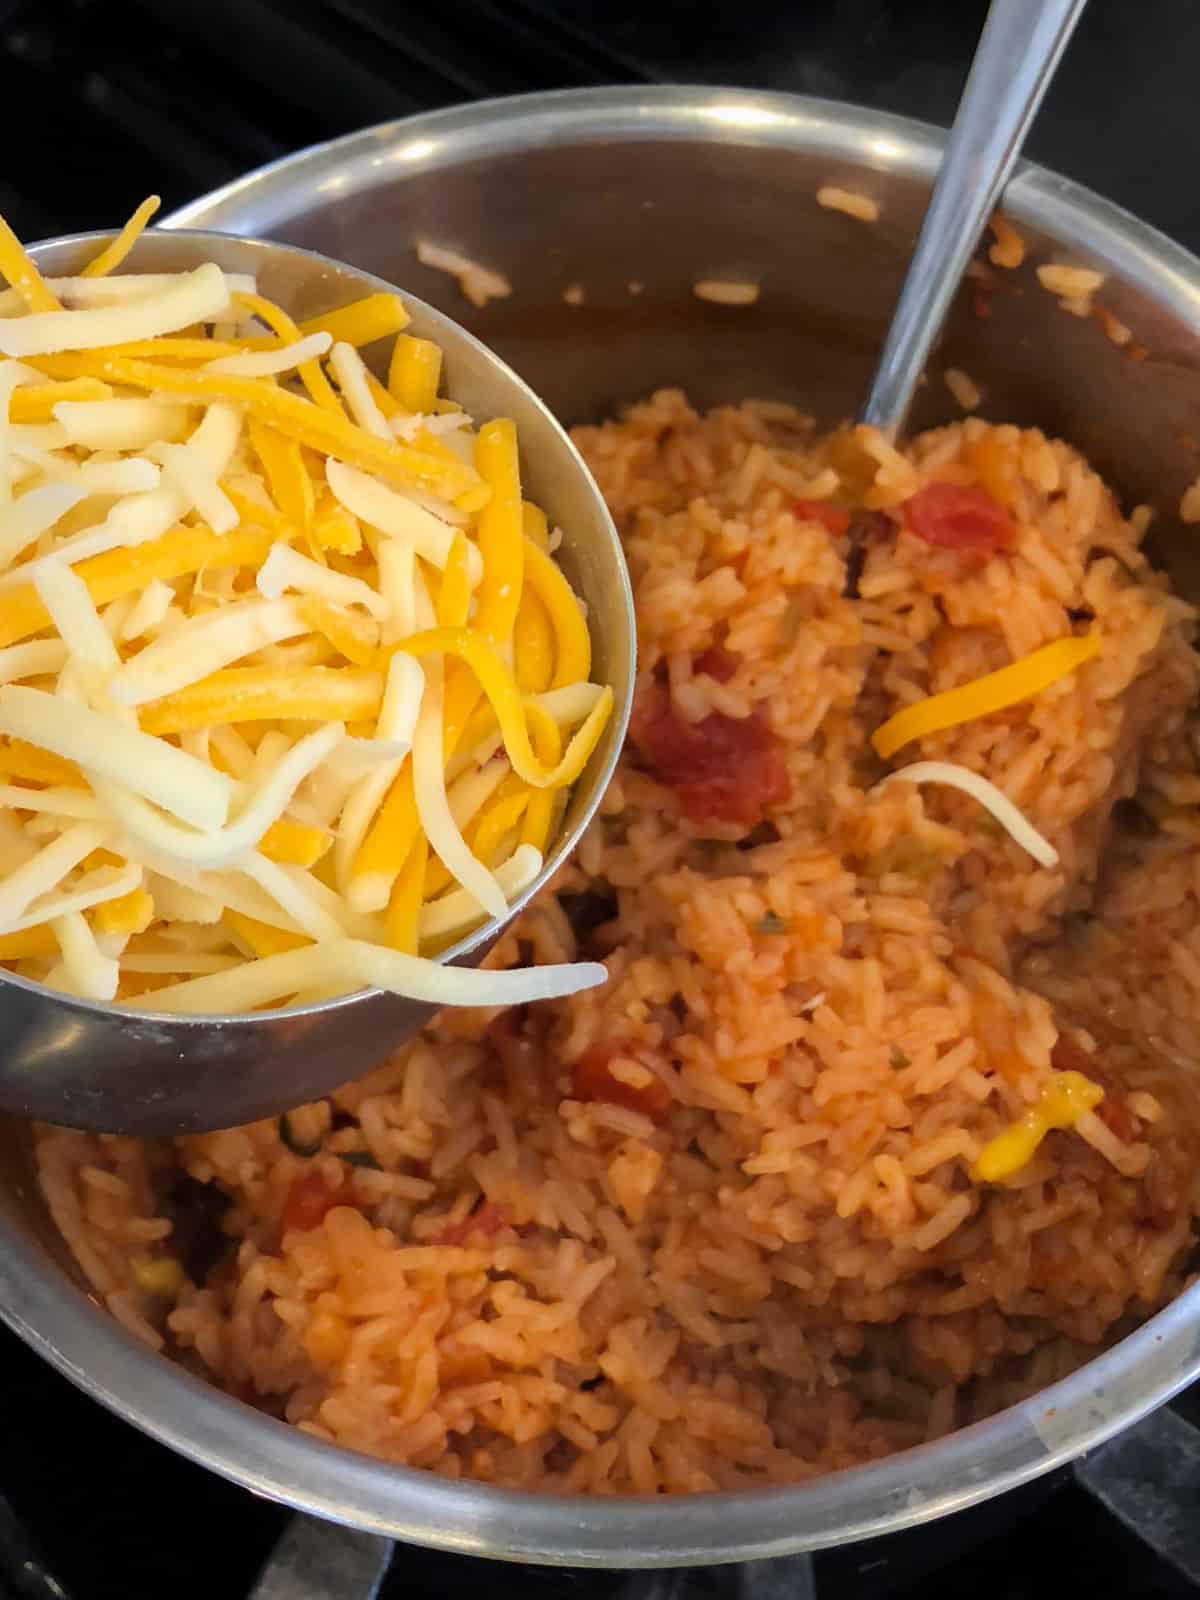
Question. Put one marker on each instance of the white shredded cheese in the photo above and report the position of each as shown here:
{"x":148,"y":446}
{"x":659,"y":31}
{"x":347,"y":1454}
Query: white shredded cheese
{"x":23,"y":521}
{"x":429,"y":787}
{"x":107,"y":883}
{"x":571,"y":705}
{"x":46,"y":870}
{"x":90,"y":974}
{"x":309,"y":915}
{"x":286,"y":568}
{"x":149,"y":610}
{"x":134,"y":475}
{"x":177,"y":903}
{"x":398,"y":714}
{"x":59,"y":802}
{"x":358,"y":965}
{"x":115,"y":289}
{"x":227,"y":846}
{"x":102,"y":744}
{"x":186,"y":471}
{"x":216,"y":439}
{"x":32,"y":660}
{"x":195,"y":296}
{"x":72,"y":611}
{"x":205,"y":644}
{"x":988,"y":796}
{"x":269,"y":363}
{"x":468,"y":793}
{"x":397,"y":564}
{"x":351,"y":377}
{"x":456,"y":911}
{"x":120,"y":424}
{"x":398,"y":516}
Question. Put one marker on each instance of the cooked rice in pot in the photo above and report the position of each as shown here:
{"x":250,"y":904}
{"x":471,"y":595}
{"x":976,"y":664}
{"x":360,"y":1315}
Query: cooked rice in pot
{"x":719,"y":1224}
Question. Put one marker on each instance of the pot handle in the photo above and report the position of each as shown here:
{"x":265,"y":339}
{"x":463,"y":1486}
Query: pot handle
{"x":1149,"y":1478}
{"x":316,"y":1560}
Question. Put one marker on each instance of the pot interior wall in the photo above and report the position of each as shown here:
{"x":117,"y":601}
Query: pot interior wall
{"x":605,"y":215}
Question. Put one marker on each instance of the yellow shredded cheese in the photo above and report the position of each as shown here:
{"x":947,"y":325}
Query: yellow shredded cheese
{"x":994,"y":692}
{"x":20,"y":271}
{"x":415,"y":373}
{"x":1065,"y":1099}
{"x":111,"y":257}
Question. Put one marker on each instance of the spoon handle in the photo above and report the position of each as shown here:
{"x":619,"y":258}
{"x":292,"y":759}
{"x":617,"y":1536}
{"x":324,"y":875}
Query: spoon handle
{"x":1019,"y":48}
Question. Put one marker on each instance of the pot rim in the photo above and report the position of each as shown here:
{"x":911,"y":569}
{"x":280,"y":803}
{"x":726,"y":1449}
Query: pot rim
{"x":915,"y":1486}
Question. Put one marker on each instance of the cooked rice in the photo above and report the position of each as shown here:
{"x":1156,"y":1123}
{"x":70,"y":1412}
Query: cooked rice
{"x":726,"y":291}
{"x":1112,"y":327}
{"x":963,"y":387}
{"x":1074,"y":286}
{"x":848,"y":201}
{"x":478,"y":283}
{"x":765,"y":1257}
{"x":1008,"y":247}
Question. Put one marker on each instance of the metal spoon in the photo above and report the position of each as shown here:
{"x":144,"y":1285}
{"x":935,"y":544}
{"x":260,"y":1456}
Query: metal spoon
{"x":111,"y":1070}
{"x":1020,"y":47}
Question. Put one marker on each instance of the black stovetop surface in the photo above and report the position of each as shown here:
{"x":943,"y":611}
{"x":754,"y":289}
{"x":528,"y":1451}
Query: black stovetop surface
{"x":104,"y":100}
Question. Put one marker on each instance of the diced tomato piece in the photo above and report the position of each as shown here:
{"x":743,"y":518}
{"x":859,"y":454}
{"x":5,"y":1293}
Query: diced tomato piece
{"x":954,"y":517}
{"x":309,"y":1200}
{"x":728,"y":769}
{"x":592,"y":1079}
{"x":836,"y":519}
{"x":488,"y":1220}
{"x":716,"y":663}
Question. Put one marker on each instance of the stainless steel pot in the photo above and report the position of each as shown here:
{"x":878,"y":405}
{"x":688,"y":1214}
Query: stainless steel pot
{"x":661,"y":187}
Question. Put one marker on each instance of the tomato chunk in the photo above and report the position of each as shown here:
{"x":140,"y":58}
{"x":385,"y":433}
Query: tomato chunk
{"x":953,"y":517}
{"x":833,"y":518}
{"x":309,"y":1201}
{"x":726,"y":769}
{"x":592,"y":1079}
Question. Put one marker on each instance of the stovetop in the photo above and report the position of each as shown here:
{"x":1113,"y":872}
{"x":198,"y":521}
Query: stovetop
{"x":102,"y":101}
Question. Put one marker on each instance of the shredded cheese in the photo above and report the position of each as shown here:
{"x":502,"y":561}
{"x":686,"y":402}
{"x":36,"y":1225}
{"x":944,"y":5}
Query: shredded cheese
{"x":994,"y":692}
{"x":270,"y":363}
{"x":286,"y":568}
{"x":106,"y":291}
{"x":203,"y":645}
{"x":155,"y":769}
{"x":1000,"y":806}
{"x":195,"y":296}
{"x":90,"y":974}
{"x":1067,"y":1097}
{"x":24,"y":521}
{"x":455,"y":912}
{"x":43,"y":871}
{"x":111,"y":257}
{"x":265,"y":982}
{"x":351,"y":376}
{"x":398,"y":516}
{"x":120,"y":424}
{"x":142,"y":834}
